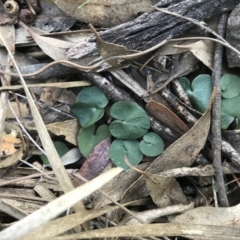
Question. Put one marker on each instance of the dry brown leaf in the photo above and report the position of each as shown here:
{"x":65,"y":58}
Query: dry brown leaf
{"x":9,"y":141}
{"x":96,"y":161}
{"x":203,"y":50}
{"x":69,"y":129}
{"x":10,"y":160}
{"x":109,"y":50}
{"x":166,"y":116}
{"x":49,"y":95}
{"x":164,"y":191}
{"x":181,"y":153}
{"x":23,"y":107}
{"x":229,"y":216}
{"x":104,"y":12}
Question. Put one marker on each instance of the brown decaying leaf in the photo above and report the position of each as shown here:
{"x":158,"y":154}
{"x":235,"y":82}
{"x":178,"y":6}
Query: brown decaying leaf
{"x":49,"y":95}
{"x":166,"y":116}
{"x":8,"y":143}
{"x":164,"y":191}
{"x":211,"y":216}
{"x":97,"y":160}
{"x":104,"y":12}
{"x":69,"y":129}
{"x":181,"y":153}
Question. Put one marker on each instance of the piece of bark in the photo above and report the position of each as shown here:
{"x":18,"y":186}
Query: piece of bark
{"x":152,"y":28}
{"x":233,"y":37}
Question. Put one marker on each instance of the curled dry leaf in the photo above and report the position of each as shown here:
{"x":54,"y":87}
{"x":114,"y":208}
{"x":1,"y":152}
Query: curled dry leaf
{"x":166,"y":116}
{"x":97,"y":160}
{"x":181,"y":153}
{"x":109,"y":13}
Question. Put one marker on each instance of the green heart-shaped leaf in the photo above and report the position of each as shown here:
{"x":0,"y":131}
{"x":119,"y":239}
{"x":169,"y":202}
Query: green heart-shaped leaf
{"x":121,"y":148}
{"x":87,"y":140}
{"x":92,"y":97}
{"x":89,"y":106}
{"x":200,"y":91}
{"x":152,"y":144}
{"x":61,"y":148}
{"x":230,"y":112}
{"x":230,"y":85}
{"x":132,"y":121}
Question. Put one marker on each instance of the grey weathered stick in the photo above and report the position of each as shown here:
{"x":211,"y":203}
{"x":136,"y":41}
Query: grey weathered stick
{"x":216,"y":116}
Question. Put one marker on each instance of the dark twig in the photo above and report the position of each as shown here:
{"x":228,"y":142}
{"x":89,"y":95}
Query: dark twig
{"x":171,"y":99}
{"x":216,"y":116}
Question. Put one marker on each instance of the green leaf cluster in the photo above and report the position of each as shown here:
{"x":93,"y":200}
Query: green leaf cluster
{"x":199,"y":92}
{"x":130,"y":123}
{"x":230,"y":112}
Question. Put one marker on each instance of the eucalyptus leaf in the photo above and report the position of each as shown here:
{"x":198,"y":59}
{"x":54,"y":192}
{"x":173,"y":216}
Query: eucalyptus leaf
{"x":200,"y":91}
{"x":230,"y":85}
{"x":87,"y":140}
{"x":120,"y":149}
{"x":89,"y":106}
{"x":152,"y":144}
{"x":61,"y":149}
{"x":132,"y":121}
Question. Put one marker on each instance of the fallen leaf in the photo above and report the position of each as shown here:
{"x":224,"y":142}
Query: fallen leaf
{"x":110,"y":49}
{"x":116,"y":188}
{"x":16,"y":106}
{"x":166,"y":116}
{"x":229,"y":216}
{"x":57,"y":49}
{"x":49,"y":95}
{"x":149,"y":216}
{"x":9,"y":142}
{"x":203,"y":50}
{"x":96,"y":161}
{"x":181,"y":153}
{"x":109,"y":13}
{"x":52,"y":19}
{"x":69,"y":129}
{"x":164,"y":191}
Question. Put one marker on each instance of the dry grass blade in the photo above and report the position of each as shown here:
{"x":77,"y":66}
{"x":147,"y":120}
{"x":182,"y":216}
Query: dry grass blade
{"x":194,"y":231}
{"x":57,"y":206}
{"x":58,"y":84}
{"x":47,"y":143}
{"x":63,"y":224}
